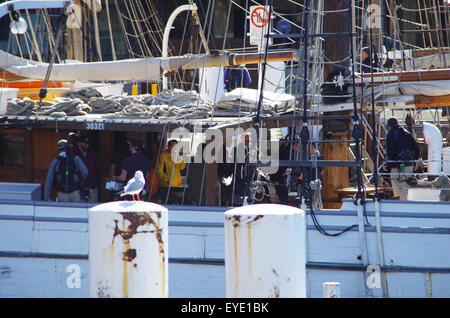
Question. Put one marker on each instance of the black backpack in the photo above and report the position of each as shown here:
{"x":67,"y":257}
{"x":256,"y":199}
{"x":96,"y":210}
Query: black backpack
{"x":404,"y":155}
{"x":66,"y":178}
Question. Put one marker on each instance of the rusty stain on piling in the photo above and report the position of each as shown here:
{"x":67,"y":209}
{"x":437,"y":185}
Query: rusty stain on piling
{"x":126,"y":243}
{"x":129,"y":255}
{"x":236,"y":280}
{"x":161,"y":252}
{"x":135,"y":220}
{"x":276,"y":291}
{"x":257,"y":217}
{"x":429,"y":285}
{"x":237,"y":221}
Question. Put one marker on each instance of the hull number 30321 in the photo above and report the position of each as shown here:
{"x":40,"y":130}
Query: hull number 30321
{"x":95,"y":126}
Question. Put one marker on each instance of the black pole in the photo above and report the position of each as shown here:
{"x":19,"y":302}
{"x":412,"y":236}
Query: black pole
{"x":257,"y":118}
{"x":304,"y":134}
{"x":43,"y":91}
{"x":356,"y":133}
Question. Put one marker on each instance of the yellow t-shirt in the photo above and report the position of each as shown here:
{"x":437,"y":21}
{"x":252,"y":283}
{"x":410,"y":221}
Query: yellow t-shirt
{"x":166,"y":168}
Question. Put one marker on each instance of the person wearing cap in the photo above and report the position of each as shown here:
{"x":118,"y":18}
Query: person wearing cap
{"x":403,"y":154}
{"x":136,"y":161}
{"x":94,"y":166}
{"x":72,"y":139}
{"x":79,"y":176}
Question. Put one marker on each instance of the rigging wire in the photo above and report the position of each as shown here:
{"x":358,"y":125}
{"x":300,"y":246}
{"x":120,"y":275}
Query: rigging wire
{"x":192,"y":136}
{"x":239,"y":117}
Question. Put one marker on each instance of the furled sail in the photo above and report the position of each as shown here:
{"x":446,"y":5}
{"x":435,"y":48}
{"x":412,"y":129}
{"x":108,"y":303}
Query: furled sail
{"x":131,"y":69}
{"x":146,"y":69}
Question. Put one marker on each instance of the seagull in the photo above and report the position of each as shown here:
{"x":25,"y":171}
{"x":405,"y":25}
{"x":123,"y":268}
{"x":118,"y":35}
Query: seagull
{"x":134,"y":185}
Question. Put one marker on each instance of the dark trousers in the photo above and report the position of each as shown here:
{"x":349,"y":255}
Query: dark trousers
{"x":282,"y":192}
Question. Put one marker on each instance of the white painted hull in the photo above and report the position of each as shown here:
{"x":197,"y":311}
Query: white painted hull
{"x":39,"y":241}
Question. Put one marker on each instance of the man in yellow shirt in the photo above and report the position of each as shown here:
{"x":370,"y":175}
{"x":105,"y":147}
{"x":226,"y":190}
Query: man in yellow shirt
{"x":169,"y":175}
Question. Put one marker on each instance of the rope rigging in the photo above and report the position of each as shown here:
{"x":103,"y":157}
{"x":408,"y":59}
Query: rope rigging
{"x":310,"y":49}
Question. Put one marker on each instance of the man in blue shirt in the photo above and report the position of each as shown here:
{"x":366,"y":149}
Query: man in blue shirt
{"x":68,"y":183}
{"x":236,"y":76}
{"x":136,"y":161}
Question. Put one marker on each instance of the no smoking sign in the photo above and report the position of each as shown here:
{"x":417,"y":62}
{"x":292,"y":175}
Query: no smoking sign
{"x":259,"y":23}
{"x":259,"y":17}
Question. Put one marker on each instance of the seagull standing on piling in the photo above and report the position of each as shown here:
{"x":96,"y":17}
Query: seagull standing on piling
{"x":134,"y":185}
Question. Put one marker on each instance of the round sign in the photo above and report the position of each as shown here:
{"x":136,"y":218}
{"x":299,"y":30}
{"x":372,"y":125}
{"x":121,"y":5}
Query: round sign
{"x":259,"y":17}
{"x":284,"y":26}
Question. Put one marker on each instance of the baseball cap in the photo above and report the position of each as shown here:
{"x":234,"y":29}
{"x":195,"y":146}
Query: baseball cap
{"x":62,"y":143}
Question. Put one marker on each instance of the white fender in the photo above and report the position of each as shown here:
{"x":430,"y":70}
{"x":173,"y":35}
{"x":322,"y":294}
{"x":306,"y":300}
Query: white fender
{"x":433,"y":138}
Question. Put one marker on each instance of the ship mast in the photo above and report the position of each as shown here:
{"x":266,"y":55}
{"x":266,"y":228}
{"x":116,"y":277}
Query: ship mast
{"x":336,"y":49}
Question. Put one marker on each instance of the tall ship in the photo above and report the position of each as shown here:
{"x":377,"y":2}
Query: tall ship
{"x":303,"y":90}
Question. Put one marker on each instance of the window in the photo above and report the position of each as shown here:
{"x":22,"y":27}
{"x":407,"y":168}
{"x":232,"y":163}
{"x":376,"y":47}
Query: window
{"x":12,"y":150}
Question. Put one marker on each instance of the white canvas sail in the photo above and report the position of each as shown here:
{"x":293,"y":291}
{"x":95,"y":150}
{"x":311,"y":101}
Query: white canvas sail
{"x":146,"y":69}
{"x":131,"y":69}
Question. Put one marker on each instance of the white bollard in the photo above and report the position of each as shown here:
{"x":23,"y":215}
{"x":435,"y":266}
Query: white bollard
{"x":265,"y":251}
{"x":331,"y":290}
{"x":128,"y":250}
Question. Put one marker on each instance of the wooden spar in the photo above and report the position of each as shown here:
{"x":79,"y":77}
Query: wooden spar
{"x":404,"y":76}
{"x":96,"y":31}
{"x":429,"y":51}
{"x":74,"y":34}
{"x":254,"y":58}
{"x":422,"y":101}
{"x":170,"y":64}
{"x":229,"y":59}
{"x":200,"y":29}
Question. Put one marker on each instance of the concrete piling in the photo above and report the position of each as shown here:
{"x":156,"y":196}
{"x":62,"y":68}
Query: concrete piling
{"x":128,"y":250}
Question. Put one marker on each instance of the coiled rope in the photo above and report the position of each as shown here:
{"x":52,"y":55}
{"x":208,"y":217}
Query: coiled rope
{"x":165,"y":105}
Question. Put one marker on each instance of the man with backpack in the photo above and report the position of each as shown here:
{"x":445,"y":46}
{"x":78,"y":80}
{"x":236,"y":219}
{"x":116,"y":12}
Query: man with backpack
{"x":403,"y":153}
{"x":66,"y":174}
{"x":236,"y":76}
